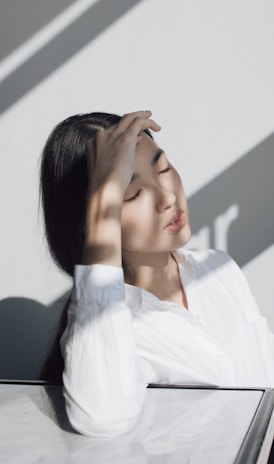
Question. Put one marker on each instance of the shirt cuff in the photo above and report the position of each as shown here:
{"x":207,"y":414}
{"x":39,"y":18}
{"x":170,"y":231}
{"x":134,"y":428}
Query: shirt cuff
{"x":92,"y":280}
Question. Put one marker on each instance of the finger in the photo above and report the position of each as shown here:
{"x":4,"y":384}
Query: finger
{"x":127,"y":119}
{"x":140,"y":124}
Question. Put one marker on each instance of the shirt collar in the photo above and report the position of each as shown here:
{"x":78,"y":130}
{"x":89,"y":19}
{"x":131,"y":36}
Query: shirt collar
{"x":186,"y":264}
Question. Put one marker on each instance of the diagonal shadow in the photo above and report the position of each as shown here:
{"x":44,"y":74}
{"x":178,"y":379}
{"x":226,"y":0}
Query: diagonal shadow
{"x":248,"y":185}
{"x":89,"y":25}
{"x":19,"y":21}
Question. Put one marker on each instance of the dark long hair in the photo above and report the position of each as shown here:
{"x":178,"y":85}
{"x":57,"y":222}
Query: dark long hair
{"x":63,"y":187}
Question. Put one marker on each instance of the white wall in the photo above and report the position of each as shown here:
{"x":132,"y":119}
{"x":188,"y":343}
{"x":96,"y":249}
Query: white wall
{"x":204,"y":68}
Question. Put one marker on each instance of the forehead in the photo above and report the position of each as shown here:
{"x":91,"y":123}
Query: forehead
{"x":146,"y":148}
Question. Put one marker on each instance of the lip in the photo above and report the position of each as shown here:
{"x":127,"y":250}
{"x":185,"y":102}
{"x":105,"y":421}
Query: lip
{"x":176,"y":222}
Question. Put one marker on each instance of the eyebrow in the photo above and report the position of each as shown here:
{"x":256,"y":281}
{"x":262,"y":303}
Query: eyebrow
{"x":154,"y":161}
{"x":156,"y":157}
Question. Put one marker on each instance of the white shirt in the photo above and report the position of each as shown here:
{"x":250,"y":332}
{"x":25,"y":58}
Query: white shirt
{"x":121,"y":338}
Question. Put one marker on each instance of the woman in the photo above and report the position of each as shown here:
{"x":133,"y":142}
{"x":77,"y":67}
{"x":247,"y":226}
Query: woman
{"x":142,"y":309}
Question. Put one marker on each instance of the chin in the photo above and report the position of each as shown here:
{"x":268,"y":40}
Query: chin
{"x":185,"y":237}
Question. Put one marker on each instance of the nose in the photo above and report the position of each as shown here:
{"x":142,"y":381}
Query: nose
{"x":165,"y":199}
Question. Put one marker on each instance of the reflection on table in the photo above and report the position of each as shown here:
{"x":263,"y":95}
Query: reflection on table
{"x":177,"y":425}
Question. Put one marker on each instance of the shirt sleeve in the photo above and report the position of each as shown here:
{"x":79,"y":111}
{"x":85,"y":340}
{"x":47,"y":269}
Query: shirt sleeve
{"x":104,"y":380}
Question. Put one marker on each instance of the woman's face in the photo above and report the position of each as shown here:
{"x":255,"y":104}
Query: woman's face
{"x":155,"y":212}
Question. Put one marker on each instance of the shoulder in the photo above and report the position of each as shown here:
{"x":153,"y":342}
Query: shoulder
{"x":217,"y":269}
{"x":208,"y":257}
{"x":211,"y":261}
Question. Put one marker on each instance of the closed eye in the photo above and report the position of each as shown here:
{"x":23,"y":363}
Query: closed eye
{"x":134,"y":196}
{"x":165,"y":170}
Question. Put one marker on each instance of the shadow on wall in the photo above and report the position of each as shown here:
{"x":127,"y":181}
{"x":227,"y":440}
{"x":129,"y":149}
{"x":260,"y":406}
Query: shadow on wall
{"x":69,"y":41}
{"x":235,"y":211}
{"x":26,"y":330}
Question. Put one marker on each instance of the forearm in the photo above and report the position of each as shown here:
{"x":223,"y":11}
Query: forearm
{"x":102,"y":242}
{"x":102,"y":383}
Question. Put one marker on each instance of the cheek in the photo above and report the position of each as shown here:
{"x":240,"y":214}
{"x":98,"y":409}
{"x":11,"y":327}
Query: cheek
{"x":137,"y":226}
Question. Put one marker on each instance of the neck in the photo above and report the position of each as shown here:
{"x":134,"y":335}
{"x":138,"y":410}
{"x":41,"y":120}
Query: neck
{"x":157,"y":273}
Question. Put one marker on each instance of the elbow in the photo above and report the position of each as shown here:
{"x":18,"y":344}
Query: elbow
{"x":105,"y":426}
{"x":102,"y":418}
